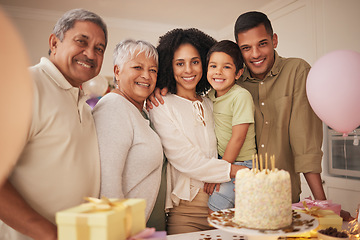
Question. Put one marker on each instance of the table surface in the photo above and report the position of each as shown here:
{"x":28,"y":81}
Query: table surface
{"x":217,"y":235}
{"x":206,"y":235}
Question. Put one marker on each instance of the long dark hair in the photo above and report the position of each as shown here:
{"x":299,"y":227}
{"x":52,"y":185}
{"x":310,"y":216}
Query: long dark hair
{"x":169,"y":43}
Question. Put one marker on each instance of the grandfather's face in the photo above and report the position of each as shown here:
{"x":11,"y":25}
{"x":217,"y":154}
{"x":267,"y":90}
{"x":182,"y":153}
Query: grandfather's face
{"x":258,"y":49}
{"x":80,"y":55}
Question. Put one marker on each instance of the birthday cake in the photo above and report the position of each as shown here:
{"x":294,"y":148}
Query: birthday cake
{"x":263,"y":199}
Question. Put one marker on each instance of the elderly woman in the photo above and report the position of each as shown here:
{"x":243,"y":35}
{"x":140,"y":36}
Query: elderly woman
{"x":130,"y":151}
{"x":186,"y":128}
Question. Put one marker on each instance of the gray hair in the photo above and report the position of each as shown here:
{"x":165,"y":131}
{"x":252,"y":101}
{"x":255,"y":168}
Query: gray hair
{"x":67,"y":21}
{"x":125,"y":51}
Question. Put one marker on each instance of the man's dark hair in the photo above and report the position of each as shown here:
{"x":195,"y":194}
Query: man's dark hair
{"x":249,"y":20}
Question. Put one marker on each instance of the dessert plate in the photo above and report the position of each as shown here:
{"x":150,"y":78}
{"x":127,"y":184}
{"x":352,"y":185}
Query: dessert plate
{"x":301,"y":223}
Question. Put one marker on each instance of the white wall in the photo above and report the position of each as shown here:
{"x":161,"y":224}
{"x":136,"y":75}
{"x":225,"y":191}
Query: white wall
{"x":306,"y":28}
{"x":312,"y":28}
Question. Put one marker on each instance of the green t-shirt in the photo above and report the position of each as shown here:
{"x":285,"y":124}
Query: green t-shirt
{"x":233,"y":108}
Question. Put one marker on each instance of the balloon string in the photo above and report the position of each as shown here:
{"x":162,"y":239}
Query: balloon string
{"x":345,"y":153}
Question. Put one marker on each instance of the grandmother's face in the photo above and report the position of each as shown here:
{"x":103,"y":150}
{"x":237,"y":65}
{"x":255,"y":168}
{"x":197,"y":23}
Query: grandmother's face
{"x":137,"y":78}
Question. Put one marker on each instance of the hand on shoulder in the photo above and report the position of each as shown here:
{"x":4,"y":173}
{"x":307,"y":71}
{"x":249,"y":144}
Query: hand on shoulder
{"x":155,"y":98}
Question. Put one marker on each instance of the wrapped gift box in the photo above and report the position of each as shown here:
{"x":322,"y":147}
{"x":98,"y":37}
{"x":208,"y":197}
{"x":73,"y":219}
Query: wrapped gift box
{"x":328,"y":218}
{"x":102,"y":219}
{"x":320,"y":204}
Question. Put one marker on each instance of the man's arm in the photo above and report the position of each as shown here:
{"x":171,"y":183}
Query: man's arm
{"x":315,"y":184}
{"x":16,"y":213}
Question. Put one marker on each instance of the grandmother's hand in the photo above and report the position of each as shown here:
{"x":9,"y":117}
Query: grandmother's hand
{"x":156,"y":97}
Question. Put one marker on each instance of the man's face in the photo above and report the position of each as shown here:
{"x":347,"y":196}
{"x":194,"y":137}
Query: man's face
{"x":257,"y":48}
{"x":79,"y":56}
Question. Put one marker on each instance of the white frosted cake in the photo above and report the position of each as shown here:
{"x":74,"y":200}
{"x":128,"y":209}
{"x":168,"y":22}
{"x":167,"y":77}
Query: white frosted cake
{"x":263,"y":199}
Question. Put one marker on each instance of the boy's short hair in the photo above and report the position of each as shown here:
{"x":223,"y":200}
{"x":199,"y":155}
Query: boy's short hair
{"x":231,"y":49}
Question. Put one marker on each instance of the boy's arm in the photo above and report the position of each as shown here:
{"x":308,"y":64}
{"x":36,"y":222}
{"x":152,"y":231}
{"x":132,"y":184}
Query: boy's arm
{"x":236,"y":142}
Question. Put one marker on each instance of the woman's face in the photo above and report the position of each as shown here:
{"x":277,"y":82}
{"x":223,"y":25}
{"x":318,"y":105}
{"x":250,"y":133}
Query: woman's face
{"x":137,"y":78}
{"x":187,"y":68}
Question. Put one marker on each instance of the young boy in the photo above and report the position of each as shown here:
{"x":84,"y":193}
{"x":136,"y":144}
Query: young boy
{"x":233,"y":115}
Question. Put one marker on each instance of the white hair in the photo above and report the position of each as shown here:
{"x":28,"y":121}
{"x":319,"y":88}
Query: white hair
{"x":126,"y":49}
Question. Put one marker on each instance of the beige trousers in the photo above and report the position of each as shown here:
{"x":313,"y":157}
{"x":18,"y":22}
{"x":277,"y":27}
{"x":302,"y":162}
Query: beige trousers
{"x":189,"y":216}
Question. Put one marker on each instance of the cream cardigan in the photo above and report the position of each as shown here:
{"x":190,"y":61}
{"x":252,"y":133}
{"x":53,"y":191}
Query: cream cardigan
{"x":130,"y":151}
{"x":189,"y":144}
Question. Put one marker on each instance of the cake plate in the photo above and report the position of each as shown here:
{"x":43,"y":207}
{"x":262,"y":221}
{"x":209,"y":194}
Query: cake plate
{"x":301,"y":223}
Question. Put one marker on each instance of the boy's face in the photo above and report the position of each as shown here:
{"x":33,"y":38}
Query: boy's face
{"x":258,"y":49}
{"x":221,"y":72}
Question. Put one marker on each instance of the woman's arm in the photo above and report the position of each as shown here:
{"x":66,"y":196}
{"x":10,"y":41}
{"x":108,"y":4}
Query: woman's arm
{"x":155,"y":98}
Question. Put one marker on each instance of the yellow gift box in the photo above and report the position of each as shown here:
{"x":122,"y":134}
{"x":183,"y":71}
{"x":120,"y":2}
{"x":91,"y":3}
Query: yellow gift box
{"x":326,"y":218}
{"x":102,"y":219}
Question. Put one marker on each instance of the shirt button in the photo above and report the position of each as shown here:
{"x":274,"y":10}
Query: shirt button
{"x":266,"y":122}
{"x":262,"y":145}
{"x":261,"y":83}
{"x":262,"y":103}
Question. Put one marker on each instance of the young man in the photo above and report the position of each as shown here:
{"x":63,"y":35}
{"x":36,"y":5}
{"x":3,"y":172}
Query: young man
{"x":60,"y":162}
{"x":285,"y":124}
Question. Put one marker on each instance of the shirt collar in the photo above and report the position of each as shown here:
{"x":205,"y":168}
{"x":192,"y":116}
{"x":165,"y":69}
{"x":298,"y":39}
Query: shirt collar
{"x":273,"y":72}
{"x":58,"y":78}
{"x":54,"y":73}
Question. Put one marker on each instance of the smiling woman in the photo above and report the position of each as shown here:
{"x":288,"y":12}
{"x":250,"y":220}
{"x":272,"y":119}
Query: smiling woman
{"x":130,"y":151}
{"x":186,"y":128}
{"x":135,"y":77}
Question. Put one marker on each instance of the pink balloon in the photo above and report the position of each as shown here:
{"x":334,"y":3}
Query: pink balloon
{"x":333,"y":90}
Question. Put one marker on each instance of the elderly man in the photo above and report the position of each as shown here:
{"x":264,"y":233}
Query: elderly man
{"x":60,"y":163}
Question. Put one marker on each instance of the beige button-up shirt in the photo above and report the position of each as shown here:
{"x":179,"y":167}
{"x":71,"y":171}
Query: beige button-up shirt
{"x":285,"y":124}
